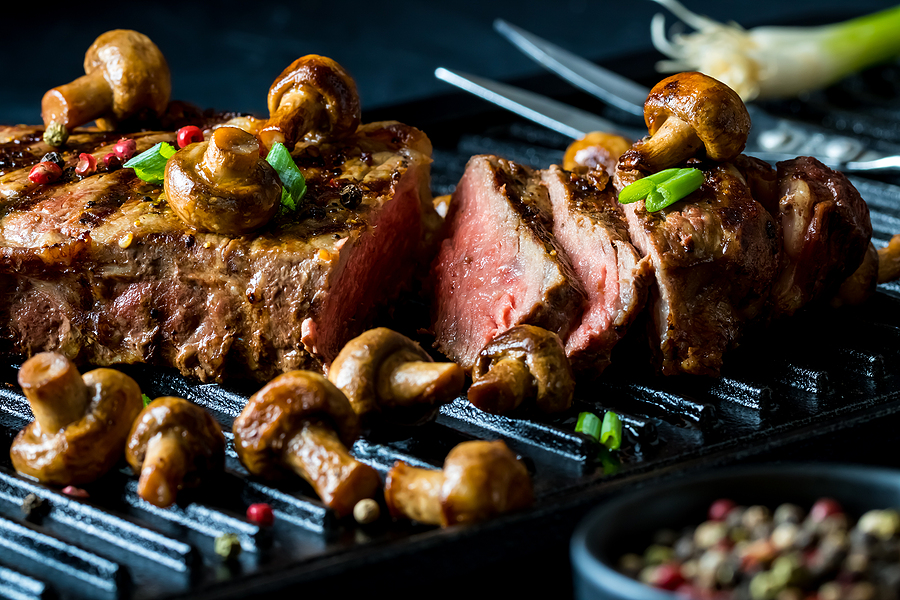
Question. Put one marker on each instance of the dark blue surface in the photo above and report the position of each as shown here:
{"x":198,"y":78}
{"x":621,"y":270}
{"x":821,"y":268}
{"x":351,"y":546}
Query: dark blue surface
{"x":225,"y":55}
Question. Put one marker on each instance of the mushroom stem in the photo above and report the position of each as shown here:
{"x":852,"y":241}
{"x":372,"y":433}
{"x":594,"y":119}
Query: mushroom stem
{"x":297,"y":112}
{"x":415,"y":493}
{"x":163,"y":471}
{"x":674,"y":143}
{"x":502,"y":389}
{"x":410,"y":382}
{"x":231,"y":154}
{"x":77,"y":102}
{"x":55,"y":389}
{"x":317,"y":454}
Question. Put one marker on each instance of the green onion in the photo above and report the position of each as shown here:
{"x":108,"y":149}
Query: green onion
{"x":611,"y":431}
{"x":663,"y":188}
{"x":776,"y":62}
{"x":588,"y":424}
{"x":291,"y":178}
{"x":146,"y":399}
{"x":150,"y":165}
{"x":609,"y":461}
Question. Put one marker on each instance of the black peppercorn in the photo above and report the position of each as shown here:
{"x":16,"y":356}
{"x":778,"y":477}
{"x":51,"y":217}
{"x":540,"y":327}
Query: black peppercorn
{"x":55,"y":158}
{"x":351,"y":196}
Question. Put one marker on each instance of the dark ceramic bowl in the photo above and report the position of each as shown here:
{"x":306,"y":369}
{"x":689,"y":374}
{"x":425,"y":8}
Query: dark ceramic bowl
{"x":628,"y":523}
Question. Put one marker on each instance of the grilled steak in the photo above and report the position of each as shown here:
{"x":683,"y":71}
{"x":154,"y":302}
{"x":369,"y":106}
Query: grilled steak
{"x":590,"y":225}
{"x":500,"y":264}
{"x":101,"y":269}
{"x":715,"y":257}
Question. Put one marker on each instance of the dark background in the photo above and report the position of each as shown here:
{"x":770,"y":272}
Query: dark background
{"x":225,"y":56}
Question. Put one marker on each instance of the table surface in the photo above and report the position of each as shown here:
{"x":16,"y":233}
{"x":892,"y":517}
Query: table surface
{"x":225,"y":55}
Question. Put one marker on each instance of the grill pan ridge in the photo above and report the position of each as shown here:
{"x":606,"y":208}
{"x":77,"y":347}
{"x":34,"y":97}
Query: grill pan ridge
{"x":824,"y":371}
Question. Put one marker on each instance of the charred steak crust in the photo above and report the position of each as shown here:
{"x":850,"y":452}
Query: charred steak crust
{"x":101,"y":269}
{"x":500,"y":265}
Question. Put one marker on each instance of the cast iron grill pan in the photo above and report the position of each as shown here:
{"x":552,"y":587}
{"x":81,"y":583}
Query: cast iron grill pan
{"x":824,"y":371}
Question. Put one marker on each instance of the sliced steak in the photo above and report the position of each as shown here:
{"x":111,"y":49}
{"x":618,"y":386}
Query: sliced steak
{"x":500,"y":265}
{"x":715,"y":256}
{"x":590,"y":225}
{"x":101,"y":269}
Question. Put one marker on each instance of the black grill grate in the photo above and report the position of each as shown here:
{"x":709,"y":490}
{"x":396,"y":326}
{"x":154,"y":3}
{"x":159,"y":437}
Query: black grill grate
{"x":822,"y":371}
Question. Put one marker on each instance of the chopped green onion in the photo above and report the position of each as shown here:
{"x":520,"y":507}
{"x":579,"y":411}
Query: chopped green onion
{"x":609,"y":461}
{"x":776,"y":62}
{"x":663,"y":188}
{"x":150,"y":165}
{"x":146,"y":399}
{"x":291,"y":178}
{"x":611,"y":431}
{"x":588,"y":424}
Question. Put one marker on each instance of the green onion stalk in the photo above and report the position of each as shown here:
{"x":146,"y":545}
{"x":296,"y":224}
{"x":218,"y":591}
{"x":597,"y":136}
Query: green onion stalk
{"x":776,"y":62}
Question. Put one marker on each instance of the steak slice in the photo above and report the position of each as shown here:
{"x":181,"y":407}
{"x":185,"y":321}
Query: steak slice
{"x":500,"y":265}
{"x":715,"y":256}
{"x":590,"y":225}
{"x":101,"y":269}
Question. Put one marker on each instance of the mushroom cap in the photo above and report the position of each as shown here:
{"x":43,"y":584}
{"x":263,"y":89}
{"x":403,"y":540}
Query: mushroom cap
{"x":361,"y":369}
{"x":715,"y":112}
{"x":322,"y":76}
{"x":276,"y":413}
{"x":198,"y":432}
{"x":483,"y":479}
{"x":543,"y":353}
{"x":89,"y":447}
{"x":228,"y":205}
{"x":134,"y":68}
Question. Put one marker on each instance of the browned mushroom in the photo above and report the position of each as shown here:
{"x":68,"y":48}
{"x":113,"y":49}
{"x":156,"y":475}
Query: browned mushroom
{"x":480,"y":480}
{"x":223,"y":186}
{"x":81,"y":421}
{"x":382,"y":370}
{"x":889,"y":261}
{"x":523,"y":364}
{"x":686,"y":113}
{"x":595,"y":151}
{"x":860,"y":286}
{"x":300,"y":422}
{"x":125,"y":74}
{"x":172,"y":443}
{"x":314,"y":94}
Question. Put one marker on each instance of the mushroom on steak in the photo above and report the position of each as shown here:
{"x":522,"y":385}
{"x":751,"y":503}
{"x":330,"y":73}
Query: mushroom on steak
{"x":125,"y":74}
{"x":172,"y":443}
{"x":314,"y":94}
{"x":383,"y":371}
{"x":480,"y":480}
{"x":301,"y":422}
{"x":81,"y":421}
{"x":223,"y":186}
{"x":523,"y":364}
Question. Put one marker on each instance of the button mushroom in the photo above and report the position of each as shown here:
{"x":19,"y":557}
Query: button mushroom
{"x":172,"y":443}
{"x":597,"y":150}
{"x":81,"y":421}
{"x":312,"y":95}
{"x":524,"y":364}
{"x":223,"y":186}
{"x":125,"y":74}
{"x":686,"y":113}
{"x":480,"y":480}
{"x":382,"y":370}
{"x":301,"y":422}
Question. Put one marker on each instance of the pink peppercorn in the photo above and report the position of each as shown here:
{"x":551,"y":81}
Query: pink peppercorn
{"x":824,"y":507}
{"x":112,"y":161}
{"x":719,"y":509}
{"x":125,"y":148}
{"x":668,"y":577}
{"x":44,"y":172}
{"x":261,"y":514}
{"x":87,"y":164}
{"x":188,"y":134}
{"x":75,"y":492}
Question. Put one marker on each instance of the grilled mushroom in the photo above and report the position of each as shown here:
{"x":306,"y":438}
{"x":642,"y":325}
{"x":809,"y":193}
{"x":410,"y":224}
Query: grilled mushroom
{"x":223,"y":186}
{"x":889,"y":261}
{"x":686,"y":113}
{"x":595,"y":151}
{"x":125,"y":74}
{"x":81,"y":421}
{"x":382,"y":370}
{"x":172,"y":443}
{"x":300,"y":422}
{"x":314,"y":94}
{"x":524,"y":364}
{"x":480,"y":480}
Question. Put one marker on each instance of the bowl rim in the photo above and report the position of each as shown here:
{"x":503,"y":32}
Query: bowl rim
{"x":601,"y":575}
